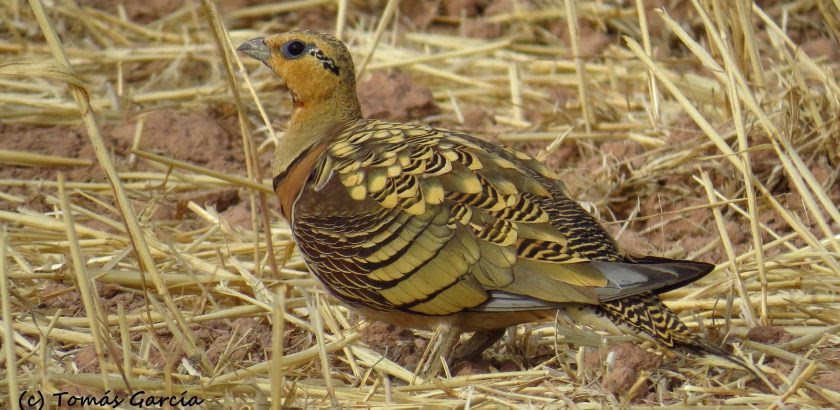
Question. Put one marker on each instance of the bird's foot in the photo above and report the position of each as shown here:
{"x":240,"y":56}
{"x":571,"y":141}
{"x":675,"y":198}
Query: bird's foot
{"x":475,"y":345}
{"x":439,"y":351}
{"x":444,"y":349}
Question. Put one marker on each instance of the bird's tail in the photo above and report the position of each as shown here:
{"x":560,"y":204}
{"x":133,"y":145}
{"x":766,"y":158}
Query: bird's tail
{"x":645,"y":313}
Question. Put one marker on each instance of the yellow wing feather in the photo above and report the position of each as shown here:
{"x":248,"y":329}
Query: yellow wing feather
{"x":433,"y":221}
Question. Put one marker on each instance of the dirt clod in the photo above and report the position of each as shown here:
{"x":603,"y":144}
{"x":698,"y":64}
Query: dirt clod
{"x":395,"y":343}
{"x":137,"y":11}
{"x":769,"y":335}
{"x":465,"y":8}
{"x":243,"y":337}
{"x":239,"y":215}
{"x":419,"y":12}
{"x":59,"y":140}
{"x":821,"y":47}
{"x":394,"y":96}
{"x":199,"y":137}
{"x":472,"y":367}
{"x":829,"y":380}
{"x":220,"y":199}
{"x":629,"y":361}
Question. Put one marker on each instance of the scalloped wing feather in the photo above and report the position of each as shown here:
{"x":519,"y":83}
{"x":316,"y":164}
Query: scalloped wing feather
{"x":415,"y":219}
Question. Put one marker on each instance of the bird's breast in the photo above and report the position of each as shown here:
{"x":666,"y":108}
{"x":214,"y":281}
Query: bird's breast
{"x":288,"y":185}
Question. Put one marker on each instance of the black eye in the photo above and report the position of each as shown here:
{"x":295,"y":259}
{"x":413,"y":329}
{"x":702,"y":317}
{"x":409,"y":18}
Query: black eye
{"x":294,"y":49}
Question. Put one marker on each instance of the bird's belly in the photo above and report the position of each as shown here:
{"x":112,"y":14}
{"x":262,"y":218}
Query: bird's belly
{"x":468,"y":321}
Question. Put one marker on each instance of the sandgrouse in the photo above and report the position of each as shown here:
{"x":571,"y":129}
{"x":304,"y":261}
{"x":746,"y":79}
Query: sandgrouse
{"x":424,"y":227}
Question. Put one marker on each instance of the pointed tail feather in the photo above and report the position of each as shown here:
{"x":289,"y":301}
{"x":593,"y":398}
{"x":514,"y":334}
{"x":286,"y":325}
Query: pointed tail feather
{"x":646,"y":314}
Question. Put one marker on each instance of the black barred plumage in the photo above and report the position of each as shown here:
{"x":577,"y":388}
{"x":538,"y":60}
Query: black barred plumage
{"x":647,"y":314}
{"x":423,"y":226}
{"x":475,"y":204}
{"x":542,"y":250}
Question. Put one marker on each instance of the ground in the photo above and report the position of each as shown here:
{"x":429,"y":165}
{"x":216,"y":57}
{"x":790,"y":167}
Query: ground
{"x":648,"y":193}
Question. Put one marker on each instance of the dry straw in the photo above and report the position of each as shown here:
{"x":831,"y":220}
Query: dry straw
{"x":727,"y":124}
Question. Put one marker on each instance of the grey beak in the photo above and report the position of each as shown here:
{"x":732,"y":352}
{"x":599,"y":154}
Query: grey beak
{"x":256,"y":48}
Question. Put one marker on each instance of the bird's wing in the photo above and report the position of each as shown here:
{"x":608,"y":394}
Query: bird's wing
{"x":421,"y":220}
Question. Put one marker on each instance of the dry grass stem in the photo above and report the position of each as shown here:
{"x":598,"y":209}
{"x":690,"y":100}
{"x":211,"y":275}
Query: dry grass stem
{"x":141,"y":247}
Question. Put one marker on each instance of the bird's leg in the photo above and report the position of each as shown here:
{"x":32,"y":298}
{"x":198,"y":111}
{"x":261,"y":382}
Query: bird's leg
{"x":476,"y":344}
{"x":448,"y":335}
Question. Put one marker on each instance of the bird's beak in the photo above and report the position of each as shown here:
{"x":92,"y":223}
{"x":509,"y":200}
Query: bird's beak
{"x":256,"y":48}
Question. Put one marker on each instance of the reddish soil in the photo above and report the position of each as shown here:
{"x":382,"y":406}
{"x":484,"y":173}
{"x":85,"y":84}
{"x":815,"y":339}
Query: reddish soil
{"x":207,"y":137}
{"x":630,"y":361}
{"x":395,"y":343}
{"x":392,"y":95}
{"x":59,"y":295}
{"x":829,"y":380}
{"x":151,"y":10}
{"x":769,"y":335}
{"x":238,"y":215}
{"x":474,"y":367}
{"x":86,"y":359}
{"x":62,"y":141}
{"x":465,"y":8}
{"x":137,"y":11}
{"x":829,"y":355}
{"x":419,"y":13}
{"x":780,"y":366}
{"x":237,"y":340}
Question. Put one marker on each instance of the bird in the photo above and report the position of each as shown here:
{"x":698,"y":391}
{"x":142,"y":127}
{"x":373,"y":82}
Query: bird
{"x":436,"y":229}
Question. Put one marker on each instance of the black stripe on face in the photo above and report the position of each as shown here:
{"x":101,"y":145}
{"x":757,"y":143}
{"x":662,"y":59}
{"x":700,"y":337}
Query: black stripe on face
{"x":327,"y":62}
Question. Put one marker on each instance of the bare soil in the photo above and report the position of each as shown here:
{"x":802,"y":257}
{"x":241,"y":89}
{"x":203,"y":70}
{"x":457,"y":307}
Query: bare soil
{"x":207,"y":134}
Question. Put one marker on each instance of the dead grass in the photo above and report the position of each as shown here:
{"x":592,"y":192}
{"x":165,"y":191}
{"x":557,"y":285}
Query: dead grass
{"x":708,"y":130}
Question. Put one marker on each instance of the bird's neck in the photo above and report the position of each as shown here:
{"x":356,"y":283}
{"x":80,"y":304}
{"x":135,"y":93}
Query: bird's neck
{"x":313,"y":122}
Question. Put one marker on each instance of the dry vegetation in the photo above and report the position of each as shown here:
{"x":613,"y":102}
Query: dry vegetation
{"x":133,"y":249}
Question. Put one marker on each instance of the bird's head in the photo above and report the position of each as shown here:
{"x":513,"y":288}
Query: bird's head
{"x":316,"y":67}
{"x":319,"y":73}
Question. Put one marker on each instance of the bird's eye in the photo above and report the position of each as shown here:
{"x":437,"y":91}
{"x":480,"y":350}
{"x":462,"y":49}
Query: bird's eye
{"x":294,"y":49}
